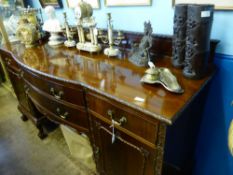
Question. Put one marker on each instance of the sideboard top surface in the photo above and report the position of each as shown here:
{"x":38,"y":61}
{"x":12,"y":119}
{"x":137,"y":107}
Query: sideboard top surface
{"x":115,"y":78}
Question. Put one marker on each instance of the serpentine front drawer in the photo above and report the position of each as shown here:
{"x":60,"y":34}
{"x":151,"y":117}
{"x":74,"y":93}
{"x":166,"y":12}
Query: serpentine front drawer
{"x":56,"y":90}
{"x":57,"y":110}
{"x":128,"y":120}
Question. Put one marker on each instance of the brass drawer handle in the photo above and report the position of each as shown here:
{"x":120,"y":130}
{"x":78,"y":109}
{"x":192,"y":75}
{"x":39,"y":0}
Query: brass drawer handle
{"x":122,"y":120}
{"x":63,"y":116}
{"x":56,"y":95}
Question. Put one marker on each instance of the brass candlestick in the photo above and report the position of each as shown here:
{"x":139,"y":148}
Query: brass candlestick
{"x":110,"y":39}
{"x":69,"y":42}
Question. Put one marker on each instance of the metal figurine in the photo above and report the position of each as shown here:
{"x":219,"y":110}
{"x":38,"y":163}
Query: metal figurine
{"x":69,"y":42}
{"x":83,"y":13}
{"x":141,"y":55}
{"x":111,"y":51}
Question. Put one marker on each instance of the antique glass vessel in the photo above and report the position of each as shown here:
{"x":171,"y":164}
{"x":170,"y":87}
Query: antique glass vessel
{"x":9,"y":18}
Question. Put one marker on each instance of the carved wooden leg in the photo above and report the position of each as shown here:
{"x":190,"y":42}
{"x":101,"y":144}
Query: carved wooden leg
{"x":41,"y":133}
{"x":24,"y":118}
{"x":40,"y":126}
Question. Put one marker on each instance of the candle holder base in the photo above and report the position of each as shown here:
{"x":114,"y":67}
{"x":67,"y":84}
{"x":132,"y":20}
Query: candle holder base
{"x":70,"y":43}
{"x":111,"y":52}
{"x":88,"y":47}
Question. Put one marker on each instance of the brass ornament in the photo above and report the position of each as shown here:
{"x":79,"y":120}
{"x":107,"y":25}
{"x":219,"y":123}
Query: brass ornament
{"x":29,"y":28}
{"x":83,"y":14}
{"x":140,"y":55}
{"x":163,"y":76}
{"x":27,"y":33}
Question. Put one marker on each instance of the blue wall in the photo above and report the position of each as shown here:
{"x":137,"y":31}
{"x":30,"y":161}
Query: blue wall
{"x":161,"y":16}
{"x":212,"y":155}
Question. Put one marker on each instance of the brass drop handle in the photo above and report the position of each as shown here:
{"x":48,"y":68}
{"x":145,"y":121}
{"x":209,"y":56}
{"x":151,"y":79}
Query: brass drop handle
{"x":122,"y":120}
{"x":97,"y":150}
{"x":26,"y":88}
{"x":110,"y":113}
{"x":8,"y":61}
{"x":63,"y":116}
{"x":56,"y":95}
{"x":21,"y":73}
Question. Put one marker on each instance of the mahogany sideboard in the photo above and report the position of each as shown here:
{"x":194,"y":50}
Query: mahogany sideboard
{"x":87,"y":92}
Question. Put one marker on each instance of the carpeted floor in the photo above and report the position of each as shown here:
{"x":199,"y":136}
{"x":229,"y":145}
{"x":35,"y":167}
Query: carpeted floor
{"x":23,"y":153}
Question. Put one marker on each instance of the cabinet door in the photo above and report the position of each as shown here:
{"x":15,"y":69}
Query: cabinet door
{"x":126,"y":156}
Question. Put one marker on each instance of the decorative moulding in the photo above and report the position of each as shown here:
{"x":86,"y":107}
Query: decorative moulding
{"x":127,"y":2}
{"x":54,"y":3}
{"x":73,"y":3}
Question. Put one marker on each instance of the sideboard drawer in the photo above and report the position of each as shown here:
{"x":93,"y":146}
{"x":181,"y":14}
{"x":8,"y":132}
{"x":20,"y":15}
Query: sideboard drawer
{"x":125,"y":118}
{"x":57,"y":110}
{"x":58,"y":91}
